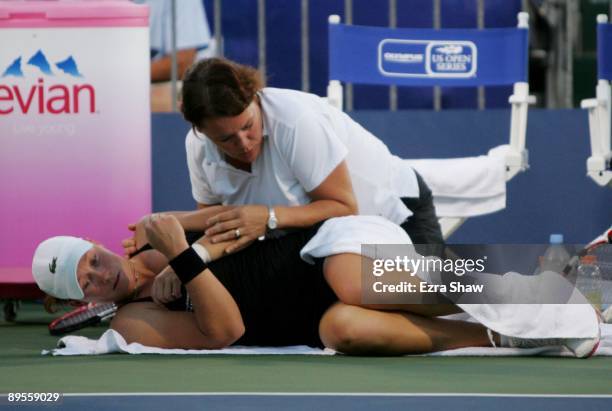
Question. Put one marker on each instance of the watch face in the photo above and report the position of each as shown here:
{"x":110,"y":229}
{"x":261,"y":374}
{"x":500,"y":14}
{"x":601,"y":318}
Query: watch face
{"x":272,"y":222}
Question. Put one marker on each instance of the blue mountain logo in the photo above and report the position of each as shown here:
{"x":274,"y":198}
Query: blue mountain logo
{"x":14,"y":69}
{"x":69,"y":66}
{"x":40,"y":61}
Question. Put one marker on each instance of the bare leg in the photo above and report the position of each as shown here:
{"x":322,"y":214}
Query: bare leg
{"x":360,"y":331}
{"x":343,"y":274}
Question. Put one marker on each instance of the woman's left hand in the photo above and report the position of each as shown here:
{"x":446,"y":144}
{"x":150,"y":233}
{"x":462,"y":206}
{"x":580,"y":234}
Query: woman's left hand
{"x":244,"y":224}
{"x":166,"y":287}
{"x":165,"y":234}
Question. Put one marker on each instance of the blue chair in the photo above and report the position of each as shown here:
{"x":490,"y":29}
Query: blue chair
{"x":599,"y":166}
{"x":431,"y":57}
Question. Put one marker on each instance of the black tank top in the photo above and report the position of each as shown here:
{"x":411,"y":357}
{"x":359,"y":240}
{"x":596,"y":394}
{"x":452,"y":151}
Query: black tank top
{"x":281,"y":297}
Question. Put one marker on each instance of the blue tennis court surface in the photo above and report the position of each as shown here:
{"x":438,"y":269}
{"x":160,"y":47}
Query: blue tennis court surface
{"x":327,"y":401}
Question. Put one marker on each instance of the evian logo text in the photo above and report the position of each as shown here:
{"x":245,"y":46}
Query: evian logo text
{"x":56,"y":91}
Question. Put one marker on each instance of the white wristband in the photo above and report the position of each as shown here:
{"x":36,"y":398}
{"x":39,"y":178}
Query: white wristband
{"x":202,"y":252}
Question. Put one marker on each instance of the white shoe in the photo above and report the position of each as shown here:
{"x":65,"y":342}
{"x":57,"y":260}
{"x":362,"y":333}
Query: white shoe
{"x":581,"y":347}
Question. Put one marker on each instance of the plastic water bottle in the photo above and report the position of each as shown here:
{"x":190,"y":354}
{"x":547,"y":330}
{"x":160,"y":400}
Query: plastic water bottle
{"x":555,"y":257}
{"x":589,"y":280}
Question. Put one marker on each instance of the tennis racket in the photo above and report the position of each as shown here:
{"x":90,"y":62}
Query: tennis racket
{"x":84,"y":316}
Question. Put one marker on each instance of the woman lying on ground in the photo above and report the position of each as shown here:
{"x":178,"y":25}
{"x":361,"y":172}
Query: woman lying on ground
{"x":264,"y":295}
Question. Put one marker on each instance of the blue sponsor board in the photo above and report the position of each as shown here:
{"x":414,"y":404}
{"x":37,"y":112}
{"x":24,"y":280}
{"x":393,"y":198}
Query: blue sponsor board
{"x":427,"y":58}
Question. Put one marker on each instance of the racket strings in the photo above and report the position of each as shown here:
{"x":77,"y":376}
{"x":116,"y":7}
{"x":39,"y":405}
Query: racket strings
{"x":76,"y":318}
{"x":82,"y":317}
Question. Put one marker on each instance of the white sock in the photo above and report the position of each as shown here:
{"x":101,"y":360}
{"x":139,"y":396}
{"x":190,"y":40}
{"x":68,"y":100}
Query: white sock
{"x":491,"y":339}
{"x":202,"y":252}
{"x":503,"y":340}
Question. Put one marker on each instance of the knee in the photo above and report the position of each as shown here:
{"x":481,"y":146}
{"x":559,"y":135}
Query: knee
{"x":339,"y":330}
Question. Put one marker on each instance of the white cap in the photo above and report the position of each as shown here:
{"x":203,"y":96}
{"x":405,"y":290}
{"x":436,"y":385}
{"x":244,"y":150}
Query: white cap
{"x":55,"y":266}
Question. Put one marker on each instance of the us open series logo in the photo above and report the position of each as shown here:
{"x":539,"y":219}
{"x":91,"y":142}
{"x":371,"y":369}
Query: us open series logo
{"x":427,"y":58}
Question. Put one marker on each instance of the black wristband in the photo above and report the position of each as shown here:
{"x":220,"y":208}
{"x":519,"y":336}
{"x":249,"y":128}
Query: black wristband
{"x":187,"y":265}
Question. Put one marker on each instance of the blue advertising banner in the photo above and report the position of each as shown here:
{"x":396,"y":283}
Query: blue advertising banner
{"x":604,"y":51}
{"x":452,"y":57}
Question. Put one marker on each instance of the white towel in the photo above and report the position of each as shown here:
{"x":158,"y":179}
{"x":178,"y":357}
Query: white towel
{"x":464,"y":187}
{"x":574,"y":318}
{"x":112,"y":342}
{"x":348,"y":234}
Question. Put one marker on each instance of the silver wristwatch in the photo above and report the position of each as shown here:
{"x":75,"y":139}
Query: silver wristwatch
{"x":271,"y":224}
{"x":272,"y":220}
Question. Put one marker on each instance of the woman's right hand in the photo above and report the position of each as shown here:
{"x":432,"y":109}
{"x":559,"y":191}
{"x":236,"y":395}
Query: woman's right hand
{"x":139,"y":239}
{"x":165,"y":234}
{"x":166,"y":287}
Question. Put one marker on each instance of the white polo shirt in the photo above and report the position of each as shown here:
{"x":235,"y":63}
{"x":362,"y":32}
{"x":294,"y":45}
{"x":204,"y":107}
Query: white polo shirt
{"x":305,"y":139}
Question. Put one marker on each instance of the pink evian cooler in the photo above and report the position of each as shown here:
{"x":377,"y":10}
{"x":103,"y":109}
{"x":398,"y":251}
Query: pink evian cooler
{"x":75,"y":155}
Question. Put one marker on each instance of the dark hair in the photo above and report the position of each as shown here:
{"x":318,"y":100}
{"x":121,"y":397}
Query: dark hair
{"x":53,"y":304}
{"x":218,"y":87}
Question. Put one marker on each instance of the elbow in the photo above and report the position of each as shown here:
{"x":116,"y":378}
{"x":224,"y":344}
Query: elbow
{"x":353,"y":207}
{"x":344,"y":208}
{"x":225,"y":338}
{"x":234,"y":333}
{"x":350,"y":206}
